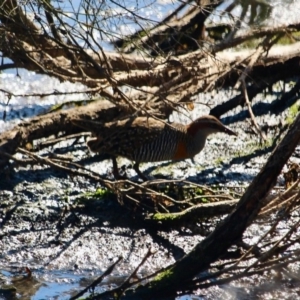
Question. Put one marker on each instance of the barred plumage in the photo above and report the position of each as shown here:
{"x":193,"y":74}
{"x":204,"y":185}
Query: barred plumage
{"x":144,"y":139}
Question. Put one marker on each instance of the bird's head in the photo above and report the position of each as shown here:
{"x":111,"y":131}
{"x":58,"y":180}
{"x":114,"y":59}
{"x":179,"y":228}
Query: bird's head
{"x":207,"y":125}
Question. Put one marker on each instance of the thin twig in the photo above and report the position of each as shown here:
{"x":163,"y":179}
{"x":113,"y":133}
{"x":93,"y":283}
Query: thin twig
{"x":253,"y":120}
{"x":98,"y":280}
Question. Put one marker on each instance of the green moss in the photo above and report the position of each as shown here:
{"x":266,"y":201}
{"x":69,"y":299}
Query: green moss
{"x":204,"y":200}
{"x":199,"y":191}
{"x":143,"y":33}
{"x":251,"y":147}
{"x":289,"y":39}
{"x":165,"y":274}
{"x":292,"y":113}
{"x":219,"y":161}
{"x":163,"y":217}
{"x":99,"y":193}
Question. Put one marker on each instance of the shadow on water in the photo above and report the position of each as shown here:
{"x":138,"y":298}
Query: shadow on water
{"x":204,"y":176}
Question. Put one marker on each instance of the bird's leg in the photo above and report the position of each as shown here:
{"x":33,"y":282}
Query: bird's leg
{"x":116,"y":170}
{"x":138,"y":171}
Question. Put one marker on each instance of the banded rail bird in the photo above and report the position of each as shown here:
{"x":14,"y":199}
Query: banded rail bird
{"x":145,"y":139}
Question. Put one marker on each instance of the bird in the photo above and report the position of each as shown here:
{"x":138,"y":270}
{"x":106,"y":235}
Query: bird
{"x":147,"y":139}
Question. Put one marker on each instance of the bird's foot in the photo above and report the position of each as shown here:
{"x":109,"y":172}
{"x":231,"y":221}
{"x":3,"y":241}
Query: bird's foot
{"x":118,"y":176}
{"x":138,"y":171}
{"x":116,"y":172}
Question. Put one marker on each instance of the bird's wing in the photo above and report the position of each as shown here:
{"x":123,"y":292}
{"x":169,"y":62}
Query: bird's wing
{"x":121,"y":137}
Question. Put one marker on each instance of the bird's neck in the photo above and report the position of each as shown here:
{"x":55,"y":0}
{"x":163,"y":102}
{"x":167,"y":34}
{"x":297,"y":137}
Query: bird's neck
{"x":196,"y":140}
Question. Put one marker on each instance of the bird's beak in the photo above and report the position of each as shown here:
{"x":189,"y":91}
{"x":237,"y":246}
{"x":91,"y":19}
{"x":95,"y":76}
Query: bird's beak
{"x":230,"y":132}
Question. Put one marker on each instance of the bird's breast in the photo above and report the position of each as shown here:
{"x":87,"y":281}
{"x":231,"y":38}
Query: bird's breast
{"x":181,"y":152}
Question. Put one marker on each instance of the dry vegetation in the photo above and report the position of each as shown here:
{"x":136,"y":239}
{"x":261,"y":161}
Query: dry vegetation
{"x":155,"y":71}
